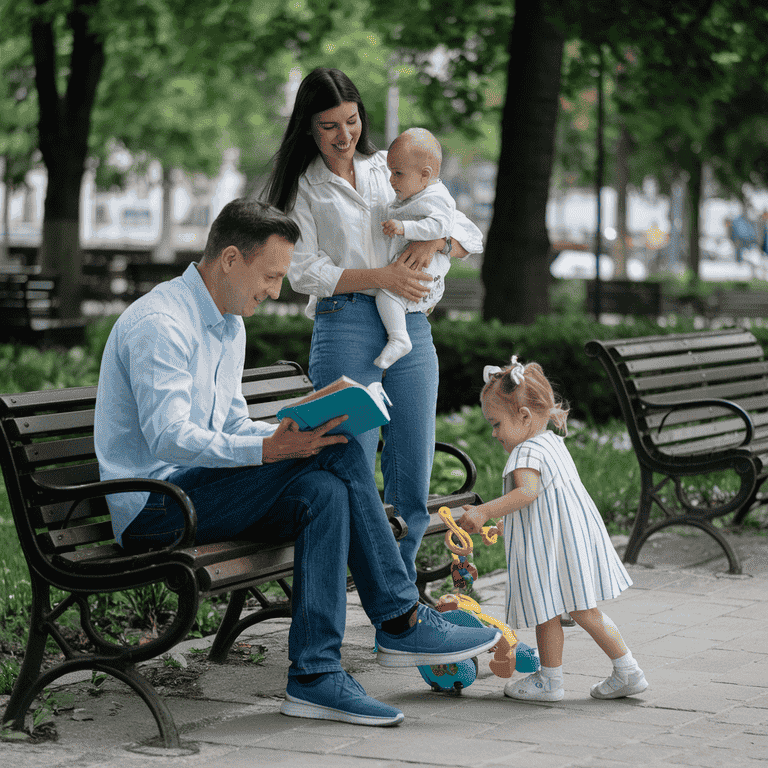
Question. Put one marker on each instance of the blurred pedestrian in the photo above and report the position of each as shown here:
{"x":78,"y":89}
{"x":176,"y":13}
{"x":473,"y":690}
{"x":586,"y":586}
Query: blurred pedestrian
{"x":742,"y":233}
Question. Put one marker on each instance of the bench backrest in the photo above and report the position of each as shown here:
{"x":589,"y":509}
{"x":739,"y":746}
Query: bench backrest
{"x":673,"y":369}
{"x":47,"y":439}
{"x":626,"y":297}
{"x":26,"y":294}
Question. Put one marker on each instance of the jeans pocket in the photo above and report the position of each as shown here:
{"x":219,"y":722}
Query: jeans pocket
{"x":331,"y":304}
{"x":156,"y":502}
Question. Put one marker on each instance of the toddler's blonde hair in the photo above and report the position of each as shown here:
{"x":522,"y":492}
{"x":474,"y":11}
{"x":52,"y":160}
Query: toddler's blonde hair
{"x":534,"y":392}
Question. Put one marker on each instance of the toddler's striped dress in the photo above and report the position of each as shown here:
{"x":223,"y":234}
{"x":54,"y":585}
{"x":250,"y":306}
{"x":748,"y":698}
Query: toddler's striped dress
{"x":559,"y":555}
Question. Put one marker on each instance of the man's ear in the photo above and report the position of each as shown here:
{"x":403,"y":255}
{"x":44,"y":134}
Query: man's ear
{"x":427,"y":173}
{"x":229,"y":257}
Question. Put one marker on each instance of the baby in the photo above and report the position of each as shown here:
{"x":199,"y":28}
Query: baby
{"x":423,"y":210}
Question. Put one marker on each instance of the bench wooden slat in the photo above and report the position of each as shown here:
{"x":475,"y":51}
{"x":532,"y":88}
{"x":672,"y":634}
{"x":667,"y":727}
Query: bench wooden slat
{"x":756,"y":407}
{"x":78,"y":536}
{"x":51,"y":452}
{"x":689,"y":359}
{"x":647,"y":346}
{"x":754,"y":371}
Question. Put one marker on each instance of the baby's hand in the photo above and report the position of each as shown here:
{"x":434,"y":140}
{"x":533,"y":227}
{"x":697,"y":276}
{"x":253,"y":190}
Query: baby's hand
{"x":473,"y":520}
{"x":393,"y":227}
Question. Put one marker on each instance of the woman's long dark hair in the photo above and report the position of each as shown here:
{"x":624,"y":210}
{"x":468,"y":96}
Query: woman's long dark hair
{"x":320,"y":90}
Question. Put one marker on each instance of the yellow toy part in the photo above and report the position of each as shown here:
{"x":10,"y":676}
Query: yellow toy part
{"x":503,"y":662}
{"x":464,"y":544}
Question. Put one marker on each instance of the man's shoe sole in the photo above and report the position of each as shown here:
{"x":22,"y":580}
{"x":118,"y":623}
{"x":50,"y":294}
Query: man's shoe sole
{"x":389,"y":658}
{"x":294,"y":707}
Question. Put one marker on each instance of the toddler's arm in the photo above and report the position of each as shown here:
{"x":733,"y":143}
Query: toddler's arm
{"x":527,"y":488}
{"x":393,"y":227}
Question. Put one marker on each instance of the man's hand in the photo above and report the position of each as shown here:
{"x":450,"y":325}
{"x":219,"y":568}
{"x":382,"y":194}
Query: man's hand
{"x":393,"y":227}
{"x":288,"y":442}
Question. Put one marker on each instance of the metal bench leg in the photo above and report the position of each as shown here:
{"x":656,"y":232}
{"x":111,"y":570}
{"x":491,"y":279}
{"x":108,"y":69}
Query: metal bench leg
{"x":636,"y":537}
{"x":232,"y":626}
{"x":127,"y":673}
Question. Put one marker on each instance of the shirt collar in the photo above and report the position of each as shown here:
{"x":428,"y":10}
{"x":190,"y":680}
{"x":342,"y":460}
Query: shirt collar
{"x":319,"y":173}
{"x":203,"y":299}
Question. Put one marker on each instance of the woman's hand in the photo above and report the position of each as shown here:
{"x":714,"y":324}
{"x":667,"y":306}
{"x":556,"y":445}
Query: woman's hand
{"x":418,"y":253}
{"x":403,"y":280}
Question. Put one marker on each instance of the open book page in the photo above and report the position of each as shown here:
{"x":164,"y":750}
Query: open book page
{"x":364,"y":406}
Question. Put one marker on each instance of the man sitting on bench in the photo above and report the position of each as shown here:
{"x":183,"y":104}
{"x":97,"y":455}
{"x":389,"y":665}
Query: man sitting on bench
{"x":170,"y":406}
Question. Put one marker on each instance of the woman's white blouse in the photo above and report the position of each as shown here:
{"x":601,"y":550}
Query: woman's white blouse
{"x":341,"y":226}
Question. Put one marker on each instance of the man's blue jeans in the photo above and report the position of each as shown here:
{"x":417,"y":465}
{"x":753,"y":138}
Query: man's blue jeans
{"x":348,"y":335}
{"x":330,"y":506}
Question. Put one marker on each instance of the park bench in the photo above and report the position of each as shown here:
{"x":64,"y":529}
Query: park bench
{"x":461,"y":295}
{"x":52,"y":479}
{"x":29,"y":308}
{"x":626,"y":297}
{"x":737,"y":304}
{"x":694,"y":404}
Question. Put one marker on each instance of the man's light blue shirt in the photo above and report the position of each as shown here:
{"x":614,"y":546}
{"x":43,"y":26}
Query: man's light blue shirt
{"x":169,"y":393}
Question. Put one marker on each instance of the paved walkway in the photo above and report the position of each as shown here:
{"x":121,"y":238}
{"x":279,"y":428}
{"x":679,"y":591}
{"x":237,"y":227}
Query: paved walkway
{"x":699,"y":635}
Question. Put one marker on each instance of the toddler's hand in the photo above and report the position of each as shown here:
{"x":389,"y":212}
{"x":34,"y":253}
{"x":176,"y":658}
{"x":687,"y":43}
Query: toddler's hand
{"x":473,"y":520}
{"x":393,"y":227}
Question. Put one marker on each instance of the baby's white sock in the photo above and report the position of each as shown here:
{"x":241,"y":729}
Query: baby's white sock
{"x":398,"y":346}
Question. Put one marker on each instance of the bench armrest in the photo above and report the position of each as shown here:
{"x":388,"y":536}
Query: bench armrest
{"x":469,"y":465}
{"x":84,"y":491}
{"x":707,"y":402}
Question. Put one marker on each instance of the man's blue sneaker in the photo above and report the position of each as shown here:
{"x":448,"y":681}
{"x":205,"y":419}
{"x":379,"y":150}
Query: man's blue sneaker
{"x":337,"y":696}
{"x":433,"y":640}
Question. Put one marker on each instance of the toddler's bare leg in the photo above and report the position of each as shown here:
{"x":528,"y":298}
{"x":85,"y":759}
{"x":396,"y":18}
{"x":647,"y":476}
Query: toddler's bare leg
{"x":550,"y":639}
{"x":602,"y":630}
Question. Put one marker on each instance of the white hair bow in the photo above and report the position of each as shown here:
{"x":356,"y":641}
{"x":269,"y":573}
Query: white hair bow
{"x":515,"y":372}
{"x":491,"y":370}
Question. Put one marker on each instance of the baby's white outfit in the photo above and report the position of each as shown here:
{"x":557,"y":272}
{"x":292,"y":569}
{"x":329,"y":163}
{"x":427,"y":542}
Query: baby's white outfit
{"x":559,"y":554}
{"x":427,"y":215}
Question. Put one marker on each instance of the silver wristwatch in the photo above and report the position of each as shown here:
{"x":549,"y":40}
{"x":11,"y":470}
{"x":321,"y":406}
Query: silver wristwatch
{"x":448,"y":246}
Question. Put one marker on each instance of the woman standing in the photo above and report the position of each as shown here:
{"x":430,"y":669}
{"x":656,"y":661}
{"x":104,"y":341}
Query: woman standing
{"x":330,"y":179}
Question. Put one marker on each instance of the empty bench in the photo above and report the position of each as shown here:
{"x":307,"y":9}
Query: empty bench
{"x":29,"y":308}
{"x":694,"y":403}
{"x":61,"y":516}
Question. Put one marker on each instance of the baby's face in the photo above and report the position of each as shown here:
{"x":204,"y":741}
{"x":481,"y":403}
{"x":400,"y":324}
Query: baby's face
{"x":405,"y":176}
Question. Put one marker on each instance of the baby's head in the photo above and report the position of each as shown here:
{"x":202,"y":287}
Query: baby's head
{"x":414,"y":160}
{"x":519,"y":386}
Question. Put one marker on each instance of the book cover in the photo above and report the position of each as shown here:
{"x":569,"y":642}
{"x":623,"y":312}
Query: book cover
{"x":365,"y":407}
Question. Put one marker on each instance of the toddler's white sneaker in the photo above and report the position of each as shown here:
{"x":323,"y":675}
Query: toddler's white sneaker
{"x":621,"y":683}
{"x":535,"y":687}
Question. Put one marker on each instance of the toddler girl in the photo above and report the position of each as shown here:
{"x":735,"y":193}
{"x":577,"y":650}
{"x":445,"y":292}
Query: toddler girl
{"x":559,"y":555}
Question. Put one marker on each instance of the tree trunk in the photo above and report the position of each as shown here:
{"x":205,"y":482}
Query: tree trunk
{"x":5,"y":243}
{"x":695,"y":190}
{"x":621,"y":253}
{"x":165,"y":253}
{"x":63,"y":126}
{"x":515,"y":269}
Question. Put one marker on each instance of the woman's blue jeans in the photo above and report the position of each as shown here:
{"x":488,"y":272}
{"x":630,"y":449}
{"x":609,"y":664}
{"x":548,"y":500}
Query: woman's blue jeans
{"x":347,"y":336}
{"x":330,"y":506}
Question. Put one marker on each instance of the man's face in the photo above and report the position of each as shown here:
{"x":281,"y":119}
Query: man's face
{"x":247,"y":285}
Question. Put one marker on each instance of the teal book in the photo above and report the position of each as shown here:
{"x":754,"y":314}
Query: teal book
{"x":365,"y":407}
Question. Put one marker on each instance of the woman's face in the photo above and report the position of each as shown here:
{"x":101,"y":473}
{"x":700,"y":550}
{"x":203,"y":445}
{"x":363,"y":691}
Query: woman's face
{"x":336,"y":132}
